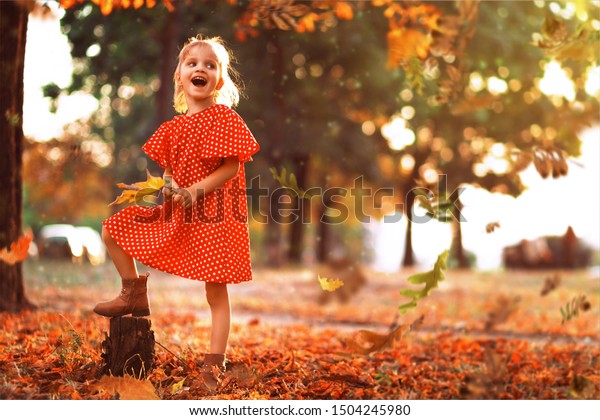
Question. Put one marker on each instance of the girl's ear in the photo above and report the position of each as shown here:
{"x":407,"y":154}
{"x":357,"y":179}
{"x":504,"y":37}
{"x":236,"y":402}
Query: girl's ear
{"x":220,"y":83}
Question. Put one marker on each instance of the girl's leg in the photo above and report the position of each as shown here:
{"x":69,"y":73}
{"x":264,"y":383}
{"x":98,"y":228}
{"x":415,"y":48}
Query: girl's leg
{"x":220,"y":311}
{"x":133,"y":298}
{"x":123,"y":262}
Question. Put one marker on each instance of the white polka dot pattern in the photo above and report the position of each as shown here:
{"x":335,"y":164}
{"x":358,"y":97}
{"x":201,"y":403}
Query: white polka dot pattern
{"x":209,"y":242}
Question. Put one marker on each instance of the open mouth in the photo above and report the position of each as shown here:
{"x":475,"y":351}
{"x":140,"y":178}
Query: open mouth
{"x":199,"y":81}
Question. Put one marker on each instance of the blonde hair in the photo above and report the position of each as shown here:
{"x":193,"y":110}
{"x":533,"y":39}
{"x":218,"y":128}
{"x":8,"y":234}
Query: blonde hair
{"x":229,"y":94}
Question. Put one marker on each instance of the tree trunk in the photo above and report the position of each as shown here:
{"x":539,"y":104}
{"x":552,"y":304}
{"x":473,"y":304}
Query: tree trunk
{"x":168,"y":41}
{"x":274,"y":230}
{"x":129,"y":349}
{"x":409,"y":259}
{"x":297,"y":229}
{"x":457,"y":245}
{"x":13,"y":21}
{"x":324,"y":231}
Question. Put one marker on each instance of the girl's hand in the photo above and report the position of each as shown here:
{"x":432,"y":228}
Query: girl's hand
{"x":169,"y":188}
{"x":185,"y":196}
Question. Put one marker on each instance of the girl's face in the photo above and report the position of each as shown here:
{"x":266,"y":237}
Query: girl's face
{"x":200,"y":77}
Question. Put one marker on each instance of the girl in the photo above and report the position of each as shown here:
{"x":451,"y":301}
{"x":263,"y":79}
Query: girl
{"x":201,"y":230}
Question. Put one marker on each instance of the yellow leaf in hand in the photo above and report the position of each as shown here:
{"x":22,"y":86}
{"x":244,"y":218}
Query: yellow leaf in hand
{"x":330,"y":285}
{"x":138,"y":191}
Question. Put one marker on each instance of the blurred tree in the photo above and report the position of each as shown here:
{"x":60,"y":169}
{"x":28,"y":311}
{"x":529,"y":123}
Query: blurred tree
{"x":460,"y":91}
{"x":497,"y":119}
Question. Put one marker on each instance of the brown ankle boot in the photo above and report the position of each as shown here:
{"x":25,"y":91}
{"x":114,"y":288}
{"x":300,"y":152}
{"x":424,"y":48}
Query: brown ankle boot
{"x":213,"y":366}
{"x":132,"y":300}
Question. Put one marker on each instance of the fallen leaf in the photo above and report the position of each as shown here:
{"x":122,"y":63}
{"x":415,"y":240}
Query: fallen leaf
{"x":330,"y":285}
{"x":127,"y":387}
{"x":177,"y":386}
{"x":366,"y":342}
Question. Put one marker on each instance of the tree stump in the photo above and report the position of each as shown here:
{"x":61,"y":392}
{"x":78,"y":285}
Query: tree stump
{"x":129,"y":349}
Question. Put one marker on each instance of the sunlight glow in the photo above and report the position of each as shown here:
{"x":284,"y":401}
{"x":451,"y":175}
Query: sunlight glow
{"x":592,"y":84}
{"x":556,"y":82}
{"x":397,"y":134}
{"x":48,"y":60}
{"x":476,"y":82}
{"x":496,"y":86}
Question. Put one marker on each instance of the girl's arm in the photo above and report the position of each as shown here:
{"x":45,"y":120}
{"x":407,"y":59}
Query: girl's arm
{"x":228,"y":169}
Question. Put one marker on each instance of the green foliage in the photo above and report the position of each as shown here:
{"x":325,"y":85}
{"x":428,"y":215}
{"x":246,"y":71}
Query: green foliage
{"x":429,"y":278}
{"x":289,"y":182}
{"x":435,"y":207}
{"x":572,"y":309}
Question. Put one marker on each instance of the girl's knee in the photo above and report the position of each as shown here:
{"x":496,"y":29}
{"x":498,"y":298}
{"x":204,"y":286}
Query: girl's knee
{"x":106,"y":236}
{"x":216,"y":293}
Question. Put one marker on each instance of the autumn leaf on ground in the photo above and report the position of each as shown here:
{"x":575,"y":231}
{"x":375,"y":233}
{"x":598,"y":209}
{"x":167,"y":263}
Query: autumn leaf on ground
{"x":366,"y":342}
{"x":330,"y":285}
{"x":581,"y":387}
{"x":127,"y":387}
{"x":573,"y":307}
{"x":140,"y":190}
{"x":550,"y":284}
{"x":177,"y":386}
{"x":430,"y":278}
{"x":18,"y":250}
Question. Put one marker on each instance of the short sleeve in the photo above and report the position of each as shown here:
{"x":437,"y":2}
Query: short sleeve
{"x":230,"y":137}
{"x":157,"y":146}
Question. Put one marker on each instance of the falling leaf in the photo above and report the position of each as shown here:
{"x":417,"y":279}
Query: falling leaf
{"x":490,"y":227}
{"x":329,"y":285}
{"x":572,"y":308}
{"x":489,"y":382}
{"x":18,"y":250}
{"x":140,"y":190}
{"x":430,"y":278}
{"x":550,"y":283}
{"x":502,"y":310}
{"x":290,"y":182}
{"x":127,"y":387}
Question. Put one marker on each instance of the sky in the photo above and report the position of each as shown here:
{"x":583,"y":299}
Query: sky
{"x":547,"y":207}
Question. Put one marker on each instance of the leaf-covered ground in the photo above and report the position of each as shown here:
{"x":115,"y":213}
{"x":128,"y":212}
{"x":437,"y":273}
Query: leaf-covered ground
{"x":490,"y":335}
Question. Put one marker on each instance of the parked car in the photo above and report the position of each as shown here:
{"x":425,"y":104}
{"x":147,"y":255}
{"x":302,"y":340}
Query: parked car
{"x":68,"y":241}
{"x":94,"y":247}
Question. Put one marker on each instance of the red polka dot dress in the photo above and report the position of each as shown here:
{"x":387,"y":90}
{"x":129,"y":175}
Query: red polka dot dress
{"x":208,"y":242}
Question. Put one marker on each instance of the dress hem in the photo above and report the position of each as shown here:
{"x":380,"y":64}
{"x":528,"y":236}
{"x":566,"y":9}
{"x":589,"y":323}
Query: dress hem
{"x":149,"y":264}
